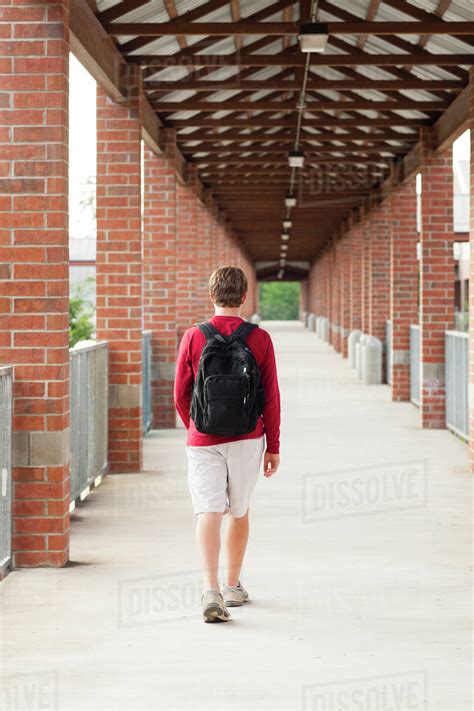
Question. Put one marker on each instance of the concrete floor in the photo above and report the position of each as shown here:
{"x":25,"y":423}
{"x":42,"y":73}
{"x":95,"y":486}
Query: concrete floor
{"x":358,"y":570}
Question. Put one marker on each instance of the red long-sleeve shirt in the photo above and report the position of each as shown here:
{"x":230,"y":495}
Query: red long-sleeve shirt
{"x":260,"y":343}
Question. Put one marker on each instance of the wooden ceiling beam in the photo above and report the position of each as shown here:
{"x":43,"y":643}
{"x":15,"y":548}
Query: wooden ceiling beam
{"x":311,"y":106}
{"x":158,"y":62}
{"x":352,"y":135}
{"x":291,"y":122}
{"x":309,"y":149}
{"x":313,"y":84}
{"x":281,"y":29}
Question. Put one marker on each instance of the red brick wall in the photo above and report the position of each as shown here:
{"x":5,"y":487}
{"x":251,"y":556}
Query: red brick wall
{"x":34,"y":272}
{"x":437,"y":277}
{"x":355,"y":296}
{"x":119,"y":274}
{"x":379,"y":270}
{"x":345,"y":294}
{"x":365,"y":286}
{"x":159,"y":266}
{"x":404,"y":277}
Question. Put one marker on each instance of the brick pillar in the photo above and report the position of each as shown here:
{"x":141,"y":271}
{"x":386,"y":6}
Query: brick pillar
{"x":186,"y":257}
{"x":203,"y":263}
{"x":404,"y":285}
{"x":365,"y":274}
{"x":345,"y":295}
{"x":159,"y":275}
{"x":471,"y":290}
{"x":437,"y":277}
{"x":379,"y":272}
{"x":119,"y":274}
{"x":336,"y":279}
{"x":34,"y":274}
{"x":355,"y":297}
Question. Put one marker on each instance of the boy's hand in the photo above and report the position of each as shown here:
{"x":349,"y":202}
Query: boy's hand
{"x":271,"y":462}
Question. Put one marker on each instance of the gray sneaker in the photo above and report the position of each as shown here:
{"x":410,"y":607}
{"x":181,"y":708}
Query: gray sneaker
{"x":213,"y":608}
{"x":234,"y":595}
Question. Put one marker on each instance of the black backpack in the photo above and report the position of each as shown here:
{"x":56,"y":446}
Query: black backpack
{"x":227,"y":395}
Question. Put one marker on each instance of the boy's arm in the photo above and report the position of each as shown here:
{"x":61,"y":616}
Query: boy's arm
{"x":183,"y":383}
{"x":271,"y":410}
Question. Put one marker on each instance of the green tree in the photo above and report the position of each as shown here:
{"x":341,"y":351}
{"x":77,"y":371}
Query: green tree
{"x":81,"y":313}
{"x":279,"y":300}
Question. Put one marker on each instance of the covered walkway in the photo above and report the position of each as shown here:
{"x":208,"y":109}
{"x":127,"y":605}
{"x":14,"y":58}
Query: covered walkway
{"x":372,"y":585}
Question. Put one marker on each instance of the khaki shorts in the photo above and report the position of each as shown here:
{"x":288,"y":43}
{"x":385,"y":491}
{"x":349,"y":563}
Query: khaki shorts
{"x":221,"y":477}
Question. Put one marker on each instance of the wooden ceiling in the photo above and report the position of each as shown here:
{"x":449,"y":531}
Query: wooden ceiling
{"x":228,"y":78}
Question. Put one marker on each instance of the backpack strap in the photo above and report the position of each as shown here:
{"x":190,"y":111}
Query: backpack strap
{"x":210,"y":331}
{"x":244,"y":330}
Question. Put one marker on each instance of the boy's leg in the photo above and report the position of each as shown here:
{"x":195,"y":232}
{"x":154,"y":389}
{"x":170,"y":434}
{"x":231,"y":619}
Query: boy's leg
{"x":244,"y":462}
{"x":236,"y":543}
{"x":208,"y":535}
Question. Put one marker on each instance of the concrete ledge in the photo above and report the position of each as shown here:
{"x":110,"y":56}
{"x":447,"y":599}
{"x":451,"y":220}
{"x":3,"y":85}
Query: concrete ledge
{"x":40,"y":448}
{"x":163,"y":371}
{"x":125,"y":396}
{"x":400,"y":357}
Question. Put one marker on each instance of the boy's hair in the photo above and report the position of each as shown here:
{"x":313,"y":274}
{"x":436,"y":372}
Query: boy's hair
{"x":228,"y":286}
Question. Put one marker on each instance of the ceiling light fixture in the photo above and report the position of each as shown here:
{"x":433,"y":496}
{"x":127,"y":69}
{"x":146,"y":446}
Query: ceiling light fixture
{"x":285,"y":236}
{"x":287,"y":224}
{"x":296,"y":159}
{"x":313,"y":37}
{"x":290,"y":200}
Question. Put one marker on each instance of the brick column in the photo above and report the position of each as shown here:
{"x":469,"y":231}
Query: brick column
{"x":119,"y":274}
{"x":336,"y":279}
{"x":437,"y":277}
{"x":186,"y":257}
{"x":34,"y":274}
{"x":203,"y":263}
{"x":404,"y":286}
{"x":355,"y":297}
{"x":345,"y":295}
{"x":379,"y":271}
{"x":159,"y":287}
{"x":365,"y":273}
{"x":471,"y":290}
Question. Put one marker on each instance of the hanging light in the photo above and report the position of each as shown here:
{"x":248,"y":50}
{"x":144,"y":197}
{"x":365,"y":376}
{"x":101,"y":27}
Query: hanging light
{"x":290,"y":200}
{"x":287,"y":224}
{"x":285,"y":236}
{"x":296,"y":159}
{"x":284,"y":247}
{"x":313,"y":37}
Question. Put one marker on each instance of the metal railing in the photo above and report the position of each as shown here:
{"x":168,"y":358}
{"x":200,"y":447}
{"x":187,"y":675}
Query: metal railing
{"x":89,"y":415}
{"x":388,"y":350}
{"x":146,"y":380}
{"x":5,"y":469}
{"x":415,"y":364}
{"x":457,"y":382}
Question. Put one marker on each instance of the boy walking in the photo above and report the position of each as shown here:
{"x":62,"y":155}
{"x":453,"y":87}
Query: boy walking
{"x":227,"y":430}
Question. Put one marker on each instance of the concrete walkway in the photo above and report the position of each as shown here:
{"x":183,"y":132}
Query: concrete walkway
{"x":358,"y":569}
